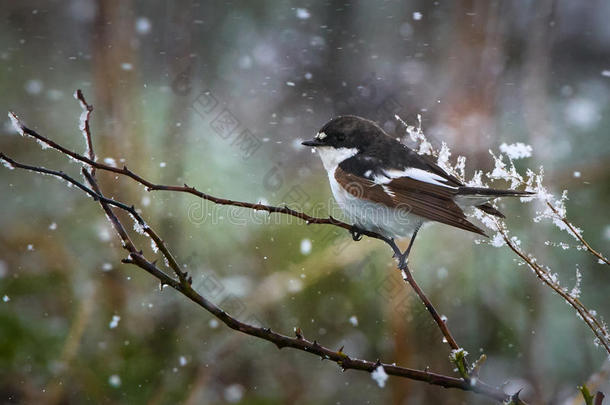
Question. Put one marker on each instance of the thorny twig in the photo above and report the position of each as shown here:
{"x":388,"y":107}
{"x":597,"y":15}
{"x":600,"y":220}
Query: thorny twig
{"x":183,"y":283}
{"x":299,"y":342}
{"x":561,"y":217}
{"x":150,"y":186}
{"x":577,"y":234}
{"x":598,"y":328}
{"x":442,"y":325}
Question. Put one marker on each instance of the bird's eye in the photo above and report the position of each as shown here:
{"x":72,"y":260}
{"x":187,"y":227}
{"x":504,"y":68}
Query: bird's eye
{"x":341,"y":137}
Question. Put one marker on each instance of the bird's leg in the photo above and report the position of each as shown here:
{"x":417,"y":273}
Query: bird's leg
{"x":412,"y":240}
{"x":356,"y":233}
{"x":403,"y":258}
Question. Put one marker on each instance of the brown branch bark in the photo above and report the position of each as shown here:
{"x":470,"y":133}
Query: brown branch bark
{"x":182,"y":283}
{"x":137,"y":258}
{"x":150,"y":186}
{"x":544,"y":275}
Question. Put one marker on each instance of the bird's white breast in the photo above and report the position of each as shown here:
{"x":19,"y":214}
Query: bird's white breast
{"x":375,"y":217}
{"x":364,"y":213}
{"x":331,"y":157}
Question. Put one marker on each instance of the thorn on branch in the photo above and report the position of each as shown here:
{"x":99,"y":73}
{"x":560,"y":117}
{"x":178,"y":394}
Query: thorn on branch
{"x":514,"y":399}
{"x":127,"y":260}
{"x":599,"y":398}
{"x":137,"y":257}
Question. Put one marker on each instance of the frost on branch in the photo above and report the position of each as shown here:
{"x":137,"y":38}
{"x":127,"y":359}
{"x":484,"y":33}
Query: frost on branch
{"x":417,"y":135}
{"x":549,"y":208}
{"x":457,"y":354}
{"x":443,"y":158}
{"x":83,"y":124}
{"x":7,"y":164}
{"x":575,"y":293}
{"x":380,"y":376}
{"x":16,"y":124}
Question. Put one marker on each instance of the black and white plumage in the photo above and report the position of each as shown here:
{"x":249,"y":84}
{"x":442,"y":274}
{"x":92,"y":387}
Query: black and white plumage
{"x":385,"y":187}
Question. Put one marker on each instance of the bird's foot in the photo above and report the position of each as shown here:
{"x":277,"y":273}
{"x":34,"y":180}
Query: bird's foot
{"x":356,"y":233}
{"x":403,"y":261}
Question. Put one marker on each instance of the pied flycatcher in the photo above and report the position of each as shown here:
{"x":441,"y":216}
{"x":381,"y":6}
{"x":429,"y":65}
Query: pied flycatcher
{"x":385,"y":187}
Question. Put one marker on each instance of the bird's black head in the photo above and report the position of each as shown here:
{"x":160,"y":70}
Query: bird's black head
{"x":347,"y":131}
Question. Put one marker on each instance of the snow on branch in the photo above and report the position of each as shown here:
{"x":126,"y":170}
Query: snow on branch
{"x":553,"y":209}
{"x":182,"y":283}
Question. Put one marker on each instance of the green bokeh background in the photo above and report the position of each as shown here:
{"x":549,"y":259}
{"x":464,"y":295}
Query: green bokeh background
{"x":479,"y":72}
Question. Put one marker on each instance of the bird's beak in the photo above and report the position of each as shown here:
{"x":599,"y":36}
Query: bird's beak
{"x":314,"y":142}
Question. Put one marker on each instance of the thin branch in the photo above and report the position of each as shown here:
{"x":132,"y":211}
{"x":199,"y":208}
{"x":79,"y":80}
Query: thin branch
{"x":183,"y":284}
{"x":150,"y":186}
{"x":408,"y":278}
{"x":599,"y":329}
{"x":223,"y":201}
{"x":137,"y":258}
{"x":57,"y":173}
{"x":84,"y":123}
{"x":577,"y":234}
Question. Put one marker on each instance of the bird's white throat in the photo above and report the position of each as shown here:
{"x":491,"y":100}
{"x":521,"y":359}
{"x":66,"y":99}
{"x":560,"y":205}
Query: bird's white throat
{"x":331,"y":157}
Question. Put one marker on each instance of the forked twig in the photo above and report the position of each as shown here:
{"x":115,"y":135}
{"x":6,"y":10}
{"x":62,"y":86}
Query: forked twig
{"x":182,"y":283}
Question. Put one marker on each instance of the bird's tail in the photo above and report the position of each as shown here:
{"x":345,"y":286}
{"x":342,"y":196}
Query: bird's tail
{"x":479,"y":197}
{"x":491,"y":192}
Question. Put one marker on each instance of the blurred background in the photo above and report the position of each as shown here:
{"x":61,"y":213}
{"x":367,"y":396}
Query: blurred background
{"x":218,"y":95}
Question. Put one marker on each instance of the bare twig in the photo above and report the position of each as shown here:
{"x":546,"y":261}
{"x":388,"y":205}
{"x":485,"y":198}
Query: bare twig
{"x":408,"y":278}
{"x":84,"y":123}
{"x":598,"y":328}
{"x":183,"y":283}
{"x":137,"y":258}
{"x":150,"y":186}
{"x":577,"y":234}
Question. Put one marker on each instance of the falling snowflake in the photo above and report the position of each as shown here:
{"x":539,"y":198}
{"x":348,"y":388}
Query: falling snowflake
{"x":114,"y":322}
{"x":114,"y":381}
{"x":305,"y":246}
{"x":303,"y":13}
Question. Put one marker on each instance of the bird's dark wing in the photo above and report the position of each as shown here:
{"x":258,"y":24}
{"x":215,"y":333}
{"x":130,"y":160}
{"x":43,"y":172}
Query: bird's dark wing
{"x":401,"y":156}
{"x":423,"y":193}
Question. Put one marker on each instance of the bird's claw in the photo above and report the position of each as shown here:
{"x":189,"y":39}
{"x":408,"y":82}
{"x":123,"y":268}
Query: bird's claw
{"x":356,"y":235}
{"x":403,"y":261}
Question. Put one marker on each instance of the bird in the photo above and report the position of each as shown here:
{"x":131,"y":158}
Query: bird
{"x":385,"y":187}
